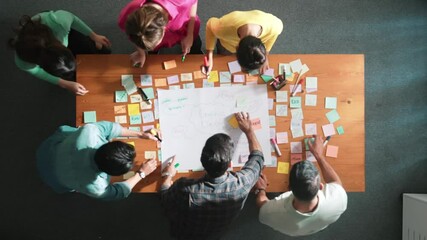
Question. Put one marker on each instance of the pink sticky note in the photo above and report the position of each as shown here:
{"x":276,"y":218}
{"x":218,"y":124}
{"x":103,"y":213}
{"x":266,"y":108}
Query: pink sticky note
{"x":296,"y":157}
{"x":296,"y":147}
{"x":269,"y":72}
{"x":238,"y":78}
{"x":328,"y":130}
{"x":332,"y":151}
{"x":234,"y":67}
{"x":173,"y":79}
{"x":282,"y":137}
{"x":256,"y":124}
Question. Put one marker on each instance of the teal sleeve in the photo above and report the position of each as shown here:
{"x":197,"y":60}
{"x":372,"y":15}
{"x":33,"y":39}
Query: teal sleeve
{"x":76,"y":23}
{"x":109,"y":130}
{"x":116,"y":191}
{"x":36,"y":71}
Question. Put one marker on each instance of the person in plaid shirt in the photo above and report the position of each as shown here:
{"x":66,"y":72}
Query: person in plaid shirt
{"x":204,"y":208}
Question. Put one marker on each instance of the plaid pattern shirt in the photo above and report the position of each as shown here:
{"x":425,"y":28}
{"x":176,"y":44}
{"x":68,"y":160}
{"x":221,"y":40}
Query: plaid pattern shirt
{"x":205,"y":207}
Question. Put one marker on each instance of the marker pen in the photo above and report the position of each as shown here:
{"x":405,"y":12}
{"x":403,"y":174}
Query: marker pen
{"x":276,"y":148}
{"x":326,"y":141}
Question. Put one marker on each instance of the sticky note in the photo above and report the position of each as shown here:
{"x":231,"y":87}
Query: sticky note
{"x":298,"y":89}
{"x":310,"y":100}
{"x":309,"y":156}
{"x":333,"y":116}
{"x":286,"y":67}
{"x":175,"y":87}
{"x":295,"y":102}
{"x":310,"y":128}
{"x":135,"y":98}
{"x":125,"y":79}
{"x":251,"y":78}
{"x":135,"y":119}
{"x":207,"y":84}
{"x":330,"y":102}
{"x":135,"y":128}
{"x":238,"y":78}
{"x":272,"y":133}
{"x":281,"y":137}
{"x":304,"y":69}
{"x":311,"y":82}
{"x":296,"y":128}
{"x":340,"y":130}
{"x":328,"y":130}
{"x":186,"y":77}
{"x":130,"y":88}
{"x":233,"y":121}
{"x":160,"y":82}
{"x":292,"y":77}
{"x":281,"y":96}
{"x":256,"y":123}
{"x":266,"y":78}
{"x":281,"y":110}
{"x":89,"y":116}
{"x":283,"y":167}
{"x":295,"y":158}
{"x":121,"y":119}
{"x":224,"y":77}
{"x":173,"y":79}
{"x":147,"y":127}
{"x":213,"y":76}
{"x":147,"y":116}
{"x":128,"y":175}
{"x":332,"y":151}
{"x":120,"y":109}
{"x":270,"y":104}
{"x":297,"y":113}
{"x":145,"y":106}
{"x":234,"y":67}
{"x":269,"y":72}
{"x":253,"y":72}
{"x":169,"y":64}
{"x":296,"y":65}
{"x":131,"y":143}
{"x":146,"y":80}
{"x":296,"y":147}
{"x":198,"y":74}
{"x":150,"y":154}
{"x":133,"y":109}
{"x":121,"y":96}
{"x":272,"y":120}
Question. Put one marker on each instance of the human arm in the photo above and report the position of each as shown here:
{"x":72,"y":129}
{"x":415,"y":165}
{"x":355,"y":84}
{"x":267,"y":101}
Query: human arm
{"x":261,"y":187}
{"x":265,"y":66}
{"x":138,"y":57}
{"x":125,"y":132}
{"x":74,"y":87}
{"x":328,"y":173}
{"x":245,"y":124}
{"x":187,"y":41}
{"x":167,"y":174}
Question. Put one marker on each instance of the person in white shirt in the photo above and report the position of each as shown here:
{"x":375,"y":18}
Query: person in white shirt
{"x":310,"y":206}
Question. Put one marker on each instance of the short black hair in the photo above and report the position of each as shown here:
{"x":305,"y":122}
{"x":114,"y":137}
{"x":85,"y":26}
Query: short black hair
{"x":115,"y":158}
{"x":251,"y":53}
{"x":304,"y":180}
{"x":58,"y":61}
{"x":217,"y":154}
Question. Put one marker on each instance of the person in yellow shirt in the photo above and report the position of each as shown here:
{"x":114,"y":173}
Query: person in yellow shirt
{"x":249,"y":34}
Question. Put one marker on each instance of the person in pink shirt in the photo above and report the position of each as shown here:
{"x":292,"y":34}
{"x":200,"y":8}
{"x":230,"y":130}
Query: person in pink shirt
{"x":156,"y":24}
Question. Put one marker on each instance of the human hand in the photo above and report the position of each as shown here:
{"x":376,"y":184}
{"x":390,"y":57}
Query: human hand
{"x":170,"y":168}
{"x":74,"y":87}
{"x":265,"y":66}
{"x":262,"y":182}
{"x":138,"y":58}
{"x":100,"y":40}
{"x":244,"y":121}
{"x":149,"y":166}
{"x":209,"y":58}
{"x":316,"y":147}
{"x":186,"y":44}
{"x":150,"y":135}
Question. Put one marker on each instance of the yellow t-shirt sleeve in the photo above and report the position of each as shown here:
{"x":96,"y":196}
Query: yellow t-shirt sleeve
{"x":276,"y":30}
{"x":211,"y":27}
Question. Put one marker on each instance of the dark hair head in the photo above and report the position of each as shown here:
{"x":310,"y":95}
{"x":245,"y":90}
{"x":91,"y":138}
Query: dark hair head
{"x":304,"y":181}
{"x":145,"y":26}
{"x":58,"y":61}
{"x":251,"y":53}
{"x":115,"y":158}
{"x":217,"y":154}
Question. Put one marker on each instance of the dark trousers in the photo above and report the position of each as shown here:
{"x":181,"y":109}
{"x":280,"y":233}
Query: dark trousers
{"x":81,"y":44}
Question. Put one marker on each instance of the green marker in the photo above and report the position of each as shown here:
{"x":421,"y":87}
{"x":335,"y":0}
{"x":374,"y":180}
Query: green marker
{"x":176,"y":165}
{"x":183,"y":58}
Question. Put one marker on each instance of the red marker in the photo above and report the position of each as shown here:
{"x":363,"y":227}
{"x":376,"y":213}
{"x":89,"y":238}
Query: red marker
{"x":206,"y":65}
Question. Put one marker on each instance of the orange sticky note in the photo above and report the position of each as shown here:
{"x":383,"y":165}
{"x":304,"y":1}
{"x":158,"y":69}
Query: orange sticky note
{"x":131,"y":143}
{"x":120,"y":109}
{"x":332,"y":151}
{"x":233,"y":122}
{"x":296,"y":157}
{"x":256,"y":123}
{"x":283,"y":167}
{"x":160,"y":82}
{"x":198,"y":74}
{"x":133,"y":109}
{"x":213,"y":76}
{"x":169,"y":64}
{"x":251,"y":78}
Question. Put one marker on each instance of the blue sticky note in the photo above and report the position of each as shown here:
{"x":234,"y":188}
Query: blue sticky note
{"x":135,"y":119}
{"x":224,"y":77}
{"x":272,"y":120}
{"x":340,"y":130}
{"x":295,"y":102}
{"x":330,"y":102}
{"x":89,"y":117}
{"x":149,"y":92}
{"x":333,"y":116}
{"x":121,"y":96}
{"x":146,"y":80}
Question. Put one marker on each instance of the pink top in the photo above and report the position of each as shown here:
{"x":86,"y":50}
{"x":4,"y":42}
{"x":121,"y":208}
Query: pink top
{"x":179,"y":15}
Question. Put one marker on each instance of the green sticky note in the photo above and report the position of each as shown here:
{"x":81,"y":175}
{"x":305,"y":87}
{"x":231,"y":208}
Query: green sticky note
{"x":330,"y":102}
{"x":333,"y":116}
{"x":272,"y":120}
{"x":295,"y":102}
{"x":136,"y":129}
{"x":135,"y":119}
{"x":266,"y":78}
{"x":340,"y":130}
{"x":121,"y":96}
{"x":149,"y":92}
{"x":89,"y":117}
{"x":306,"y":142}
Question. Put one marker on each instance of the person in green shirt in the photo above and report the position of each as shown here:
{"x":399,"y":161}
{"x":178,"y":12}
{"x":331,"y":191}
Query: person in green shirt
{"x":46,"y":44}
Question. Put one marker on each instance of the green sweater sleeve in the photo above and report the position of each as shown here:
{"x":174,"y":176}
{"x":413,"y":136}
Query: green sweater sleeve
{"x":79,"y":25}
{"x":36,"y":70}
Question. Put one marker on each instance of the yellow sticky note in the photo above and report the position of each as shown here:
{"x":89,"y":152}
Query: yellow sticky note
{"x":131,"y":143}
{"x":150,"y":154}
{"x":233,"y":122}
{"x":158,"y":125}
{"x":213,"y":76}
{"x":283,"y":167}
{"x":160,"y":82}
{"x":133,"y":109}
